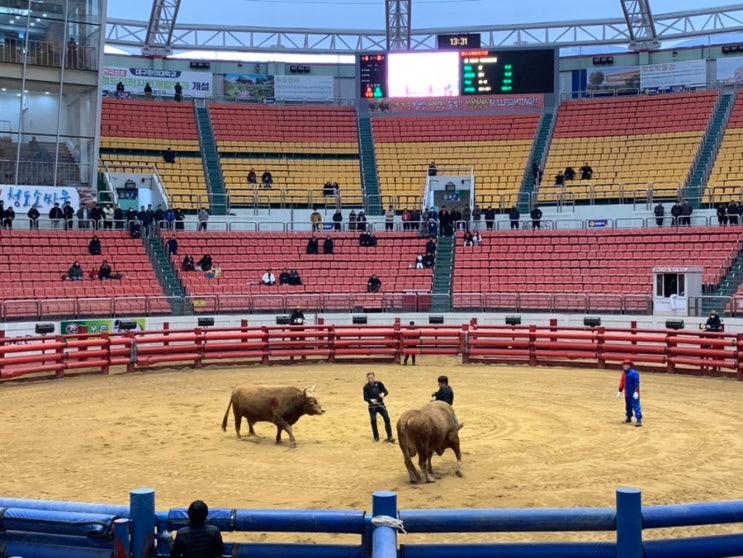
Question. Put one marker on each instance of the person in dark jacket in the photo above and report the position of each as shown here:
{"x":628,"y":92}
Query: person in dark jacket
{"x":514,"y":216}
{"x":197,"y":539}
{"x":722,"y":215}
{"x":659,"y":211}
{"x":676,"y":214}
{"x":94,"y":246}
{"x":328,"y":246}
{"x":713,"y":322}
{"x":33,"y":217}
{"x":312,"y":245}
{"x":445,"y":393}
{"x":489,"y":217}
{"x":536,"y":217}
{"x":374,"y":394}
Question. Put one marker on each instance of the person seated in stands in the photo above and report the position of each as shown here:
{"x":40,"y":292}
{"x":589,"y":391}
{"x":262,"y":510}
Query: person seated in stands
{"x":429,"y":260}
{"x":267,"y":179}
{"x":33,"y":217}
{"x":297,"y":317}
{"x":328,"y":246}
{"x":431,"y":244}
{"x":93,"y":273}
{"x":94,"y":246}
{"x":8,"y":216}
{"x":169,"y":156}
{"x":284,"y":277}
{"x":252,"y":177}
{"x":468,"y":239}
{"x":172,"y":246}
{"x":419,"y":262}
{"x":188,"y":263}
{"x":135,"y":229}
{"x":268,"y":278}
{"x":75,"y":273}
{"x":327,"y":189}
{"x":433,"y":170}
{"x":104,"y":273}
{"x":560,"y":179}
{"x":294,"y":277}
{"x":569,"y":173}
{"x":205,"y":263}
{"x":432,"y":227}
{"x":312,"y":245}
{"x":476,"y":239}
{"x":713,"y":322}
{"x":374,"y":284}
{"x":367,"y":238}
{"x":586,"y":172}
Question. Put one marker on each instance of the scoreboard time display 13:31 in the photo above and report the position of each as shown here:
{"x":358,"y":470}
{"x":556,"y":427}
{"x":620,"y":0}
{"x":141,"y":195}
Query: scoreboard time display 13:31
{"x":507,"y":72}
{"x":457,"y":41}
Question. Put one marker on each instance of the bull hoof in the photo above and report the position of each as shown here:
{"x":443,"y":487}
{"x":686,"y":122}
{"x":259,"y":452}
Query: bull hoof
{"x":430,"y":479}
{"x":459,"y":474}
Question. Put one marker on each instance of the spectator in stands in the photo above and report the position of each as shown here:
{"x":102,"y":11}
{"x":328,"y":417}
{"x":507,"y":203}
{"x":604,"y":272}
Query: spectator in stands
{"x":297,"y":317}
{"x":284,"y":277}
{"x":431,"y":244}
{"x":722,"y":215}
{"x":468,"y":239}
{"x":33,"y":217}
{"x":537,"y":172}
{"x":71,"y":61}
{"x":108,"y":216}
{"x":406,"y":217}
{"x":433,"y":170}
{"x":415,"y":219}
{"x":203,"y":217}
{"x":477,"y":215}
{"x":676,"y":214}
{"x":444,"y":219}
{"x":135,"y":229}
{"x":389,"y":218}
{"x":147,"y":90}
{"x":327,"y":189}
{"x":104,"y":273}
{"x":367,"y":239}
{"x":432,"y":227}
{"x":456,"y":219}
{"x":252,"y":177}
{"x":316,"y":220}
{"x":514,"y":215}
{"x":361,"y":221}
{"x":93,"y":273}
{"x":8,"y":216}
{"x":188,"y":263}
{"x":536,"y":217}
{"x":659,"y":211}
{"x":352,"y":221}
{"x":172,"y":246}
{"x":69,"y":214}
{"x":586,"y":172}
{"x":489,"y":218}
{"x":118,"y":217}
{"x":169,"y":218}
{"x":328,"y":246}
{"x":374,"y":284}
{"x":75,"y":273}
{"x":130,"y":215}
{"x":686,"y":211}
{"x":429,"y":260}
{"x":94,"y":246}
{"x":56,"y":215}
{"x":96,"y":216}
{"x":560,"y":179}
{"x":160,"y":216}
{"x":713,"y":322}
{"x":205,"y":263}
{"x":169,"y":156}
{"x":569,"y":173}
{"x":294,"y":277}
{"x":338,"y":219}
{"x":120,"y":89}
{"x":178,"y":92}
{"x":268,"y":278}
{"x":267,"y":179}
{"x":466,"y":216}
{"x":733,"y":212}
{"x":476,"y":238}
{"x":197,"y":538}
{"x":312,"y":245}
{"x":419,"y":261}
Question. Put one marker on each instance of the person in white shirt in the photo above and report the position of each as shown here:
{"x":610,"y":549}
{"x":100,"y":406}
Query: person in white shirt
{"x":269,"y":278}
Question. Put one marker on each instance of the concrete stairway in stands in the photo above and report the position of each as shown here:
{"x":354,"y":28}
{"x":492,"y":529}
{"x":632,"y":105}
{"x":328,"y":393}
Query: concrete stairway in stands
{"x":541,"y":145}
{"x":212,"y":169}
{"x":442,"y":276}
{"x":369,"y":174}
{"x":709,"y":149}
{"x":165,"y":271}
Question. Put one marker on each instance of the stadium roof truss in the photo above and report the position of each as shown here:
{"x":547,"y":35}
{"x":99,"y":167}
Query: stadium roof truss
{"x":637,"y":30}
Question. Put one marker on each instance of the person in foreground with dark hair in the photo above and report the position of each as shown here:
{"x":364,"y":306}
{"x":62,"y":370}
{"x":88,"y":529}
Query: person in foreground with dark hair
{"x":197,"y":539}
{"x":445,"y":392}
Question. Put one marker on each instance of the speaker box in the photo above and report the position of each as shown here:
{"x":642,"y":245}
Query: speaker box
{"x":43,"y":329}
{"x":282,"y":320}
{"x":592,"y":321}
{"x":205,"y":322}
{"x":674,"y":324}
{"x":127,"y":325}
{"x":513,"y":320}
{"x":358,"y":320}
{"x":435,"y":320}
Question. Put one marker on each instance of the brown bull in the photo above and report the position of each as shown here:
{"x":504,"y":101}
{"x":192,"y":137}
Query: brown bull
{"x":434,"y":428}
{"x":281,"y":405}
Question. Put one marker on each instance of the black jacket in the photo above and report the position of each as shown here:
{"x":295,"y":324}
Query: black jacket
{"x":198,"y":541}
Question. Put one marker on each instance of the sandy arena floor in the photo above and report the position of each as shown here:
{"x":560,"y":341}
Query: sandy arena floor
{"x":532,"y":437}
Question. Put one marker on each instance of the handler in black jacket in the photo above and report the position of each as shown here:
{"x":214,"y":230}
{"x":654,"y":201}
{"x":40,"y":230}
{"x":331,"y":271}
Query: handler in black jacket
{"x":197,"y":540}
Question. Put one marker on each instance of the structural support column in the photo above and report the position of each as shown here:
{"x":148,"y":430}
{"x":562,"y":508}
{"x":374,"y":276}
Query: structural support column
{"x":398,"y":24}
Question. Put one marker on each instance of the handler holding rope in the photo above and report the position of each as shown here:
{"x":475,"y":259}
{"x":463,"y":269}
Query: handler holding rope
{"x":374,"y":394}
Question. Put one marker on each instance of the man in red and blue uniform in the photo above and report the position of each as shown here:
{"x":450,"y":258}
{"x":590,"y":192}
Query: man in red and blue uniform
{"x":630,"y":385}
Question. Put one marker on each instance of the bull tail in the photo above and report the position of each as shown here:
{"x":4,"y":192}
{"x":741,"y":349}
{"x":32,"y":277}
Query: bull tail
{"x":226,"y":414}
{"x":402,"y":435}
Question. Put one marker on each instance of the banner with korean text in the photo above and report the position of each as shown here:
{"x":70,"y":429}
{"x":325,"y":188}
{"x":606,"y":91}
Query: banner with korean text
{"x":308,"y":88}
{"x":21,"y":198}
{"x":162,"y":82}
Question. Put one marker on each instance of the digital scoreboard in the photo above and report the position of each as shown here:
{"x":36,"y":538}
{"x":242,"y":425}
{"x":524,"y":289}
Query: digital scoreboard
{"x":373,"y":76}
{"x":507,"y":72}
{"x":453,"y":72}
{"x":458,"y":41}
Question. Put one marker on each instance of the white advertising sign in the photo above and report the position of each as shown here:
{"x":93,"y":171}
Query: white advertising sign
{"x":162,"y":82}
{"x":673,"y":74}
{"x":311,"y":88}
{"x":23,"y":197}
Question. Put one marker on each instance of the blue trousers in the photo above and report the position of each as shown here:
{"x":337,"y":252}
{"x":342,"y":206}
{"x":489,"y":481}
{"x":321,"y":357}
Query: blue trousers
{"x":373,"y":410}
{"x":633,"y":405}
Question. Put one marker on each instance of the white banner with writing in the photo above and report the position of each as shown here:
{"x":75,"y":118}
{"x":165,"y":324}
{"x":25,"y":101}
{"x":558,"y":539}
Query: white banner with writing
{"x":311,"y":88}
{"x":673,"y":74}
{"x":162,"y":82}
{"x":21,"y":198}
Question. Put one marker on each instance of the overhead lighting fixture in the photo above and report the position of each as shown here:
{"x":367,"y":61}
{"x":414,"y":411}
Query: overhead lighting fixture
{"x":46,"y":92}
{"x":5,"y":89}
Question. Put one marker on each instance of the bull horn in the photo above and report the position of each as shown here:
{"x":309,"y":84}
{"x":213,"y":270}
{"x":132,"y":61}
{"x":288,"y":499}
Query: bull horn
{"x":312,"y":389}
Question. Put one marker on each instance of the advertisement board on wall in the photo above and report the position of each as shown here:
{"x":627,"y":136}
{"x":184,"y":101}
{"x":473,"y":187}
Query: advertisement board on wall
{"x":311,"y":88}
{"x":730,"y":70}
{"x":664,"y":77}
{"x":249,"y":86}
{"x":93,"y":326}
{"x":21,"y":198}
{"x":162,"y":82}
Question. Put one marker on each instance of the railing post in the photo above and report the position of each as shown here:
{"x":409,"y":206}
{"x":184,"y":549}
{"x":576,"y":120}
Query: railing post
{"x":142,"y":511}
{"x":121,"y":538}
{"x":384,"y":537}
{"x":629,"y":523}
